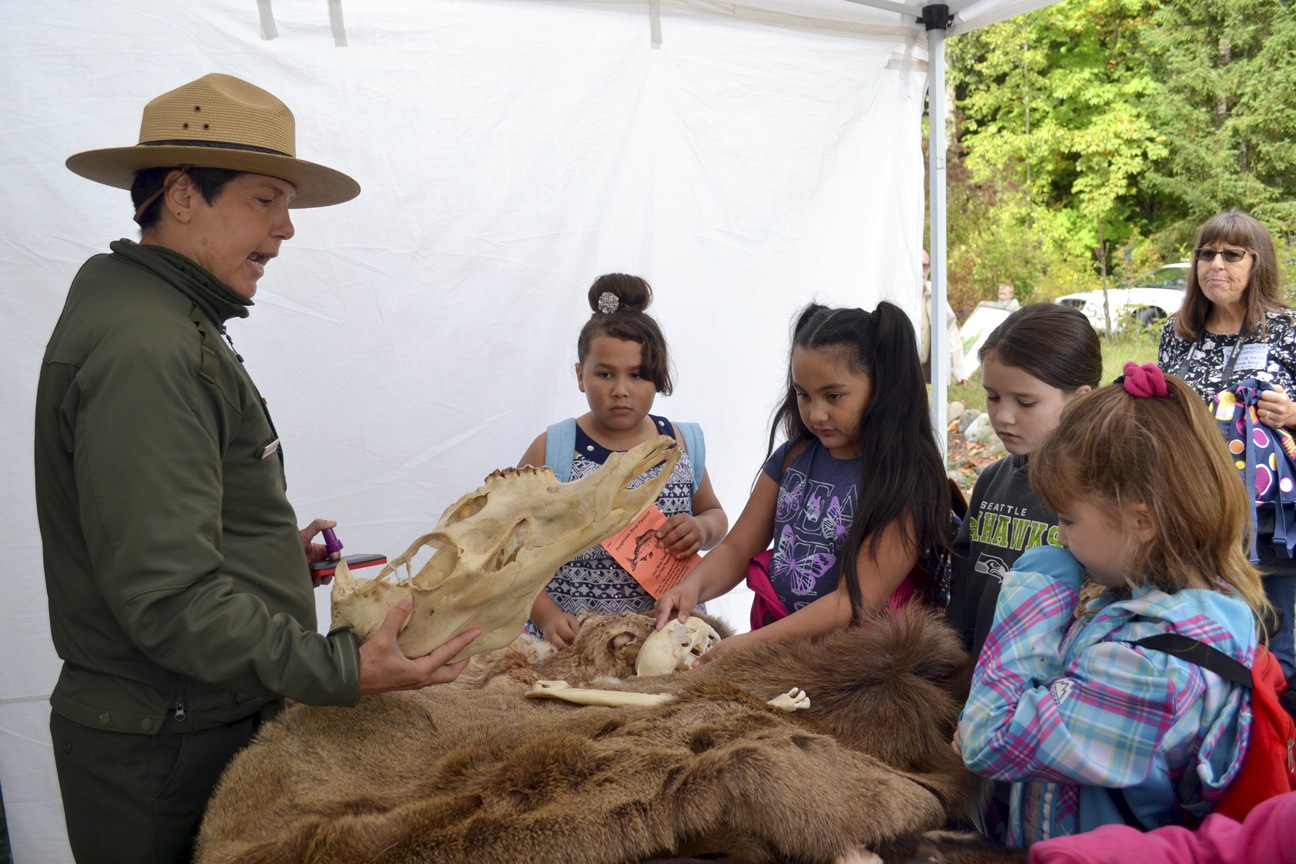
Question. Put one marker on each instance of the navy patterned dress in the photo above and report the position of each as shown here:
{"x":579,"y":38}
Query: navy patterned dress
{"x":593,"y":581}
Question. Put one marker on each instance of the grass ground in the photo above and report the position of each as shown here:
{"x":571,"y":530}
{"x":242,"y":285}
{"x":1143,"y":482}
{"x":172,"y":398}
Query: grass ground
{"x":966,"y":459}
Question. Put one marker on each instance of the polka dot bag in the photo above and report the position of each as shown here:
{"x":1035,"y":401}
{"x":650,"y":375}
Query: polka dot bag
{"x":1265,"y":459}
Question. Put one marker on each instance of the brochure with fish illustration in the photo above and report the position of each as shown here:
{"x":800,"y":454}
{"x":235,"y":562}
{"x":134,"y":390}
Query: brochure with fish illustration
{"x":637,"y":549}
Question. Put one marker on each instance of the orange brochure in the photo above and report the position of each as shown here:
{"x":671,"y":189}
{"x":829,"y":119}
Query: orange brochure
{"x":637,"y":549}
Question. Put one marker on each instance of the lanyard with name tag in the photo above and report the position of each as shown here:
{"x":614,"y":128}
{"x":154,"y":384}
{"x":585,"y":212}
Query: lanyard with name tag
{"x":1251,"y":356}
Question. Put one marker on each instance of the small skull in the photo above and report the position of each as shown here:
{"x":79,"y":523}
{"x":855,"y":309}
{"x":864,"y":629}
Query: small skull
{"x":674,"y":647}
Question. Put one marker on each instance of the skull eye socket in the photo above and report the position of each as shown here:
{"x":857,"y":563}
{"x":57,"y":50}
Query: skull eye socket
{"x":445,"y":557}
{"x":471,"y":507}
{"x":509,"y":549}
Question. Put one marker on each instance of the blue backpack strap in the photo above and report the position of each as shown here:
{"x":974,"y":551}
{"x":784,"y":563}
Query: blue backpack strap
{"x":695,"y":444}
{"x":560,"y":446}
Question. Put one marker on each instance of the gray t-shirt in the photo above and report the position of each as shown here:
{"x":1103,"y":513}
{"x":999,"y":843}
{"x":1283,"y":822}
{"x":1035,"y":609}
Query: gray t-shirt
{"x":1004,"y":519}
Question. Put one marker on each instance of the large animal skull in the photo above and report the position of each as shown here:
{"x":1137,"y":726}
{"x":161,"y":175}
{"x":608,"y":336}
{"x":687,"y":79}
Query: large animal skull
{"x":495,"y":550}
{"x":674,"y":647}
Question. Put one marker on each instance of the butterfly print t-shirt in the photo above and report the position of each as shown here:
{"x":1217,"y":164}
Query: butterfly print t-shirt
{"x":816,"y":503}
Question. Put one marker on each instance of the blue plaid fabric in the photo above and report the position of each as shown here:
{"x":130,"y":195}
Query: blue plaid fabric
{"x":1063,"y":706}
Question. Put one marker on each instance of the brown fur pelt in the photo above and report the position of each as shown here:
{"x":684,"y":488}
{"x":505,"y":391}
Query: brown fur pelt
{"x":473,"y":771}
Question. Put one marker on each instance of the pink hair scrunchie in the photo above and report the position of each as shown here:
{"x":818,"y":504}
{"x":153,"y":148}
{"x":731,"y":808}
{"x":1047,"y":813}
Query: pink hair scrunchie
{"x":1144,"y":381}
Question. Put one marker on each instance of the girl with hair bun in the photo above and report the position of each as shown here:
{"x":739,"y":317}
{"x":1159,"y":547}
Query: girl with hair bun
{"x":622,"y":364}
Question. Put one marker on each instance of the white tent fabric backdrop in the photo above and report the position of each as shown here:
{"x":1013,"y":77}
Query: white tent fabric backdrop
{"x":765,"y":155}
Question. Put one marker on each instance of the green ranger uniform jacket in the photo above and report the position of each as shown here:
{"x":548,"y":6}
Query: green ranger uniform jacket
{"x":179,"y":593}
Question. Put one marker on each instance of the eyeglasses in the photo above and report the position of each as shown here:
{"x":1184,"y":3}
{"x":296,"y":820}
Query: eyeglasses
{"x":1232,"y":256}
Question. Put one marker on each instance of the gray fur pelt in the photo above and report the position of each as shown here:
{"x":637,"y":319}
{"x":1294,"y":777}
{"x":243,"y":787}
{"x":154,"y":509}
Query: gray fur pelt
{"x":475,"y":772}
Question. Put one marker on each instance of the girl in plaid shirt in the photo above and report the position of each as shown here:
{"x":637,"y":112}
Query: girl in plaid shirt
{"x":1151,"y":517}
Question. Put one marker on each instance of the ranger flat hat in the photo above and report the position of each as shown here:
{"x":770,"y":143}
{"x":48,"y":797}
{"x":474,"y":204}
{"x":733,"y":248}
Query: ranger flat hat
{"x":218,"y":121}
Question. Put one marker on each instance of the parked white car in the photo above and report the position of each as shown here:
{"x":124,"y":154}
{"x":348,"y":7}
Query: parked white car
{"x":1147,"y":300}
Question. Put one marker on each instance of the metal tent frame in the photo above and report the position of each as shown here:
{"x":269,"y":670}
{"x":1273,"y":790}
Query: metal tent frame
{"x":939,"y":19}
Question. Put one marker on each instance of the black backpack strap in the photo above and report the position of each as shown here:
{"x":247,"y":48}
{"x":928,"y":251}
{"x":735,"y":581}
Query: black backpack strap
{"x":1203,"y":655}
{"x":1126,"y":811}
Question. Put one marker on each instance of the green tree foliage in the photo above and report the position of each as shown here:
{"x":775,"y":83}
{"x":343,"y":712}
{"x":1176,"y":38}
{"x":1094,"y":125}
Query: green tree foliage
{"x":1136,"y":118}
{"x":992,"y":239}
{"x":1227,"y":104}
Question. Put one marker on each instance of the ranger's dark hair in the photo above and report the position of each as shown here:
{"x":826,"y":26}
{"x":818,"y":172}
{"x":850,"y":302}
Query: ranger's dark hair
{"x":148,"y":182}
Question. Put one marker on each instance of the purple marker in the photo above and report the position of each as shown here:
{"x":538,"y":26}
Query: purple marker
{"x":331,"y":542}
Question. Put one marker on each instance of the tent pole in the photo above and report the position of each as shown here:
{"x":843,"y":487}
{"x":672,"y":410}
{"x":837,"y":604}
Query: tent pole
{"x":937,"y":19}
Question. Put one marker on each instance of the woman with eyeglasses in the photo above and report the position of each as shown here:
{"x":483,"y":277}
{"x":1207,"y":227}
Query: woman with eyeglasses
{"x":1233,"y":325}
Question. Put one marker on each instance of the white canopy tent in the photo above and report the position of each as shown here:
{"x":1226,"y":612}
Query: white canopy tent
{"x":745,"y":157}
